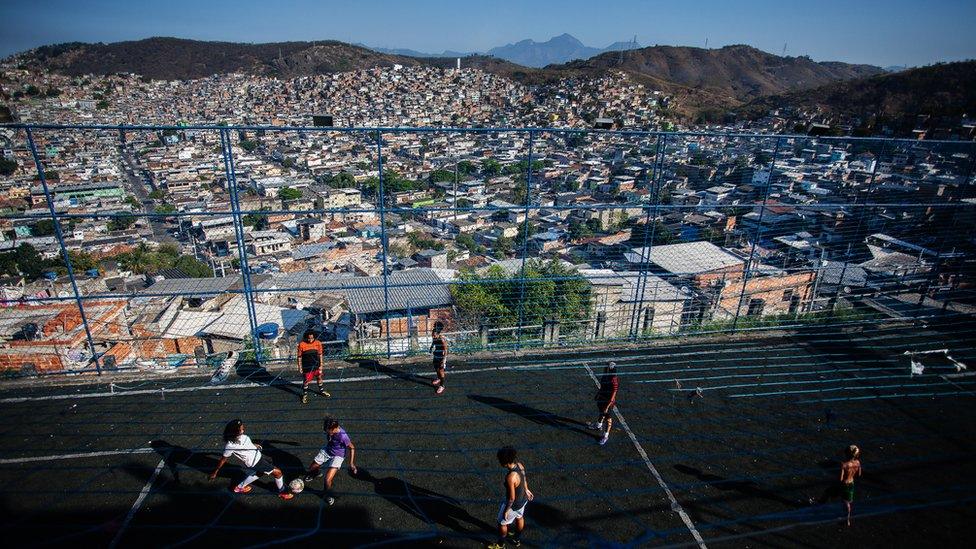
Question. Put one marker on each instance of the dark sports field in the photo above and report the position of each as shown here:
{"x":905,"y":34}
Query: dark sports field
{"x":741,"y":462}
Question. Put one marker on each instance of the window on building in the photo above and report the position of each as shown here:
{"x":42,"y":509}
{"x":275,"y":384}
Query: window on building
{"x":756,"y":307}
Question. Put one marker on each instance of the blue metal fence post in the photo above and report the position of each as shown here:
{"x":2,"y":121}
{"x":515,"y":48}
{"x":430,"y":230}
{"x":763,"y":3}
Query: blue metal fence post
{"x":757,"y":236}
{"x":655,"y":188}
{"x":64,"y":250}
{"x":525,"y":244}
{"x":382,"y":200}
{"x":225,"y":145}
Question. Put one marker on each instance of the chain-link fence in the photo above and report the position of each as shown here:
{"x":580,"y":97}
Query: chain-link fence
{"x":167,"y":247}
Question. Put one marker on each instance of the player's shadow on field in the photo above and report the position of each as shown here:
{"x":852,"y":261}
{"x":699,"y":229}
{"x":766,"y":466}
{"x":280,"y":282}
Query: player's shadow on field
{"x":426,"y":505}
{"x":289,"y":464}
{"x":745,"y":487}
{"x":534,"y":415}
{"x":378,"y":368}
{"x":251,"y":370}
{"x":176,"y":457}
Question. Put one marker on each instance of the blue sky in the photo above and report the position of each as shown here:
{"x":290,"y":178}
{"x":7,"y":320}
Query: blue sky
{"x":893,"y":32}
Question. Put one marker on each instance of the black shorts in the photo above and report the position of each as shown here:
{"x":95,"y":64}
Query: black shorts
{"x":264,"y":466}
{"x":439,"y":363}
{"x":310,"y":361}
{"x":604,"y":407}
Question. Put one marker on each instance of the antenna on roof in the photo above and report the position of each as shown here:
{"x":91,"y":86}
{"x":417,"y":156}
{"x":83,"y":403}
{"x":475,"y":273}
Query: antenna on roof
{"x":706,"y":42}
{"x":784,"y":49}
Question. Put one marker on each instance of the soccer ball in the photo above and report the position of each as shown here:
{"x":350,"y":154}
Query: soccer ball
{"x":296,"y":486}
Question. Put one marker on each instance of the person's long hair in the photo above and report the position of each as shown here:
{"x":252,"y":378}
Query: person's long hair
{"x":232,"y":430}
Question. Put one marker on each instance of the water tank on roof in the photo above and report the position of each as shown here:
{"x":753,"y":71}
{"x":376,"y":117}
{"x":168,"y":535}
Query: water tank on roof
{"x":51,"y":275}
{"x":268,"y":330}
{"x":30,"y":331}
{"x":92,"y":273}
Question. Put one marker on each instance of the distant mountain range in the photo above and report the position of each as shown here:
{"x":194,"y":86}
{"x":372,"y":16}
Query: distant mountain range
{"x":557,"y":50}
{"x":528,"y":53}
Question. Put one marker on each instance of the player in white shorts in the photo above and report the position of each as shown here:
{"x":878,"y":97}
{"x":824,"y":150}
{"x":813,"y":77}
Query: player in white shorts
{"x":332,"y":455}
{"x":517,"y":497}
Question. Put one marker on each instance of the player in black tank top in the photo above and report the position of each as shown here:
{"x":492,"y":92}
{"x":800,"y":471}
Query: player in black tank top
{"x":517,"y":497}
{"x":438,"y":348}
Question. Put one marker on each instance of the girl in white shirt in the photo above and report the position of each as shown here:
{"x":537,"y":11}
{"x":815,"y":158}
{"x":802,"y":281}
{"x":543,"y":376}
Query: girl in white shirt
{"x":239,"y":446}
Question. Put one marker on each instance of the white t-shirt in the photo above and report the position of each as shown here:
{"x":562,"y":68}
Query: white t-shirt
{"x":244,"y":450}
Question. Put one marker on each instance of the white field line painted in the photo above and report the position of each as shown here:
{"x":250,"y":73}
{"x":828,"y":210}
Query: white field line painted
{"x":137,"y":504}
{"x":675,"y":506}
{"x":946,"y":378}
{"x":13,"y":461}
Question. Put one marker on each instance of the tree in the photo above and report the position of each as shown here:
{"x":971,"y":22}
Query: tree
{"x":258,"y":221}
{"x":419,"y":241}
{"x":32,"y":90}
{"x":503,"y":246}
{"x":157,"y":194}
{"x":579,"y":230}
{"x":7,"y":167}
{"x":132,"y":201}
{"x":519,"y":192}
{"x":523,"y":233}
{"x":713,"y":236}
{"x":490,"y":167}
{"x":193,"y":267}
{"x":438,"y":176}
{"x":101,"y":105}
{"x":465,"y":167}
{"x":498,"y":298}
{"x":288,"y":193}
{"x":121,"y":222}
{"x":165,"y":208}
{"x":44,"y":227}
{"x":655,"y":234}
{"x":52,"y":92}
{"x":27,"y":261}
{"x":81,"y":261}
{"x":249,"y":145}
{"x":343,"y":180}
{"x":466,"y":241}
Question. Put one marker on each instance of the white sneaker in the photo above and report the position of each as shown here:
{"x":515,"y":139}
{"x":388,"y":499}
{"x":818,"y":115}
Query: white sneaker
{"x":604,"y":439}
{"x":595,"y":426}
{"x":330,"y":501}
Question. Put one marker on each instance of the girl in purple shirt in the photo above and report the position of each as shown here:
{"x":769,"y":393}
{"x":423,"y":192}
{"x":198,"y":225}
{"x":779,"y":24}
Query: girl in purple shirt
{"x":332,"y":455}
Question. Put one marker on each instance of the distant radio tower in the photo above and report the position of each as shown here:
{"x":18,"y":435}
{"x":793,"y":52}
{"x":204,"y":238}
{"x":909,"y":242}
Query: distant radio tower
{"x":784,"y":49}
{"x":706,"y":42}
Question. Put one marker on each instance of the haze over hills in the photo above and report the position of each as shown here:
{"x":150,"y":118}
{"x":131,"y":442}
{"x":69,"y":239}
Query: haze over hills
{"x":557,"y":50}
{"x":529,"y":53}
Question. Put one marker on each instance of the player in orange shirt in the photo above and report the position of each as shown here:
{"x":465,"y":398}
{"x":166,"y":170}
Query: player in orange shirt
{"x":310,"y":363}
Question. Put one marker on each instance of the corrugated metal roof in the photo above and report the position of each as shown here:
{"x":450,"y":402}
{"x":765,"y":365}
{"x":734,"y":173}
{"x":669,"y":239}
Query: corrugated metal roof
{"x":193,"y":287}
{"x":410,"y":288}
{"x":686,"y":257}
{"x":655,"y":287}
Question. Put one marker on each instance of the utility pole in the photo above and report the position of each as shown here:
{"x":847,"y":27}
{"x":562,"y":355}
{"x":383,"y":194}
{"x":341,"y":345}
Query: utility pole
{"x":455,"y":187}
